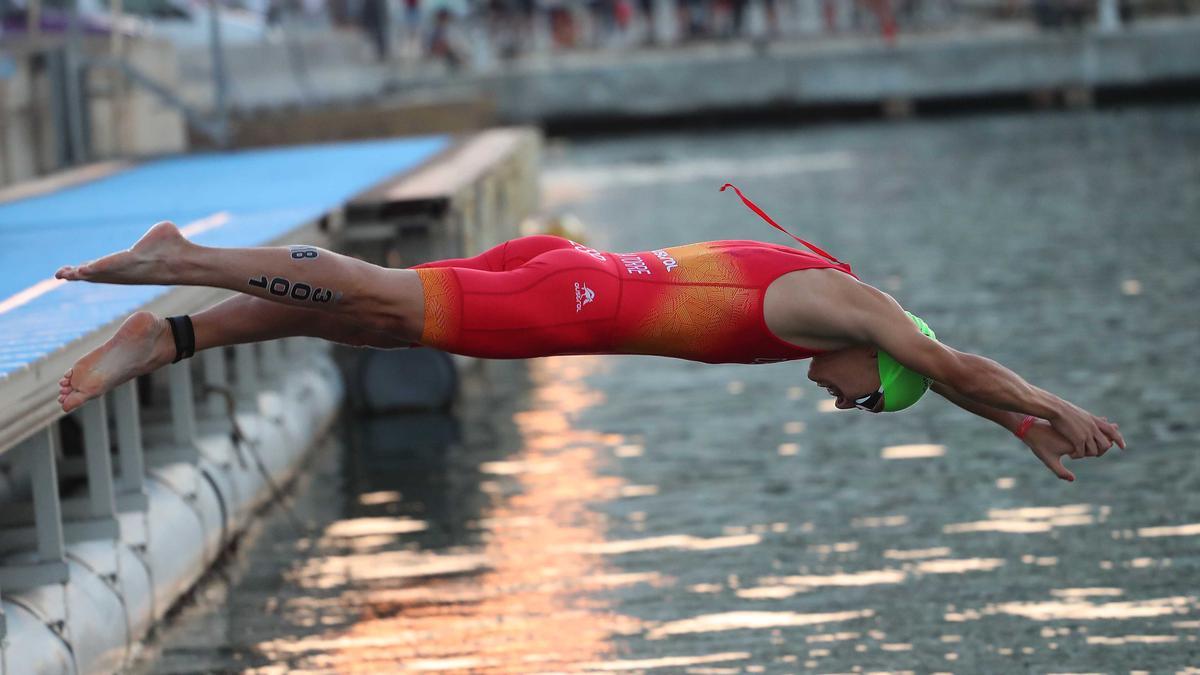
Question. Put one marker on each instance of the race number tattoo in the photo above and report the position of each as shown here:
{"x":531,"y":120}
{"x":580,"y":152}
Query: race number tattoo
{"x":297,"y":291}
{"x":303,"y":252}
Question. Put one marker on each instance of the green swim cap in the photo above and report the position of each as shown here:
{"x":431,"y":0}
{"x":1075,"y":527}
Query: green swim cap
{"x":901,"y":386}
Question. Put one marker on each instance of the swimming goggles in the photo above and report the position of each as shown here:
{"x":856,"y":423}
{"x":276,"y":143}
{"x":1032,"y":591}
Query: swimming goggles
{"x":869,"y":402}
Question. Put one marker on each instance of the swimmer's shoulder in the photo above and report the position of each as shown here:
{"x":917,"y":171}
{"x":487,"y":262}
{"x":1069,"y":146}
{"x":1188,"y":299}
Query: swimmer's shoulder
{"x":820,"y":282}
{"x":810,"y":304}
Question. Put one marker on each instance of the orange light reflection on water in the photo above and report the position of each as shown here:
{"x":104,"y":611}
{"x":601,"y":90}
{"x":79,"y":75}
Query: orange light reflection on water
{"x":518,"y":602}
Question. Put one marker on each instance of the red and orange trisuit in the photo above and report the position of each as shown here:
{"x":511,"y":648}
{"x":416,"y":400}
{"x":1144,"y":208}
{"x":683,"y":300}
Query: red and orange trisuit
{"x":545,"y":295}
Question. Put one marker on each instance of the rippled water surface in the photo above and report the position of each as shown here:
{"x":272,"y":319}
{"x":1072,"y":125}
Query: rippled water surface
{"x":641,"y":514}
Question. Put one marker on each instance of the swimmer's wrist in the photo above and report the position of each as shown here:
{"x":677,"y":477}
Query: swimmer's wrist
{"x":1041,"y":404}
{"x":1023,"y":428}
{"x":1056,"y":409}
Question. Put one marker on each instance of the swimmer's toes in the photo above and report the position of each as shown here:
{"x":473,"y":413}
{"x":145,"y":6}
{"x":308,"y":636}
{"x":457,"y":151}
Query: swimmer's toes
{"x":82,"y":272}
{"x":73,"y":400}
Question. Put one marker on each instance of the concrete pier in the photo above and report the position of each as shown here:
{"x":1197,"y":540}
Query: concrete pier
{"x":108,"y":515}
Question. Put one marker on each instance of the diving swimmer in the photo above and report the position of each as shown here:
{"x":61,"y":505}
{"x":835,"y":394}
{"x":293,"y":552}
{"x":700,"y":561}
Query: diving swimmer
{"x":729,"y":301}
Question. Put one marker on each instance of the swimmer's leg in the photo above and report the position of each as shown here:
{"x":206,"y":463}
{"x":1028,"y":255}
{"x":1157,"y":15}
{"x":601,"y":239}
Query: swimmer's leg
{"x":144,"y":343}
{"x":242,"y":319}
{"x":377,"y":307}
{"x":384,"y":299}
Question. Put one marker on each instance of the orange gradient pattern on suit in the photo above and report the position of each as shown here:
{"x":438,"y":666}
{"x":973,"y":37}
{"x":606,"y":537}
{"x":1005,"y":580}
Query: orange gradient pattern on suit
{"x":441,"y":317}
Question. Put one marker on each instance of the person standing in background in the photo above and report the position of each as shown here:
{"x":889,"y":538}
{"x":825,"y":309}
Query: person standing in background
{"x":441,"y":39}
{"x":374,"y":17}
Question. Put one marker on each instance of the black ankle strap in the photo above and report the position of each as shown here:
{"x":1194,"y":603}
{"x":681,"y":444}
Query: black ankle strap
{"x":185,"y":336}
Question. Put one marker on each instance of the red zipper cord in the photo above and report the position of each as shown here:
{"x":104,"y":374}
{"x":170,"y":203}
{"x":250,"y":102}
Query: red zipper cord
{"x":763,"y":214}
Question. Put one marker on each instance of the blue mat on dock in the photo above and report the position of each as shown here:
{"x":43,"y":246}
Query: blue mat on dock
{"x":243,"y":198}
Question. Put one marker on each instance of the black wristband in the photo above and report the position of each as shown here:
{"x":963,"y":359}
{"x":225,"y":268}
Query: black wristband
{"x":185,"y":336}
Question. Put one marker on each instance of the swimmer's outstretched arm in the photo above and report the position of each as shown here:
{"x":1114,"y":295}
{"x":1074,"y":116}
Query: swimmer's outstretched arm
{"x":1047,"y":445}
{"x":301,"y":276}
{"x":990,"y":384}
{"x":863,"y":314}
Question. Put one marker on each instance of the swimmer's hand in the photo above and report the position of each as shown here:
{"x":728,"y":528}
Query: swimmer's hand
{"x":1090,"y":436}
{"x":1050,"y":447}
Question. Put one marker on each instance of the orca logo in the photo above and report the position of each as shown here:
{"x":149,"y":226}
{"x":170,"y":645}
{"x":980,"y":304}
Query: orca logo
{"x":583,"y":295}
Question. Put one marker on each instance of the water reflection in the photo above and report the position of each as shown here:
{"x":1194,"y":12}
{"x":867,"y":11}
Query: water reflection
{"x":676,"y":541}
{"x":1083,"y":609}
{"x":783,"y":587}
{"x":377,"y":498}
{"x":1029,"y":520}
{"x":506,"y":595}
{"x":725,"y":621}
{"x":913,"y":554}
{"x":665,"y":662}
{"x":1190,"y":530}
{"x":916,"y":451}
{"x":365,"y":527}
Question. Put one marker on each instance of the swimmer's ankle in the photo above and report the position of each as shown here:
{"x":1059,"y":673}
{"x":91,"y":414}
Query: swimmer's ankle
{"x":163,"y":351}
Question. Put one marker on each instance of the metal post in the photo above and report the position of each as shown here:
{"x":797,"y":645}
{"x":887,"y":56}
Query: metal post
{"x":56,"y":67}
{"x":183,"y":411}
{"x":50,"y":566}
{"x":46,"y":507}
{"x":1109,"y":16}
{"x":216,"y":377}
{"x":33,"y":19}
{"x":116,"y":41}
{"x":220,"y":81}
{"x":272,"y":359}
{"x":297,"y":350}
{"x":101,"y":496}
{"x":246,"y":368}
{"x":74,"y":96}
{"x":102,"y":499}
{"x":293,"y":348}
{"x":118,"y":83}
{"x":129,"y":438}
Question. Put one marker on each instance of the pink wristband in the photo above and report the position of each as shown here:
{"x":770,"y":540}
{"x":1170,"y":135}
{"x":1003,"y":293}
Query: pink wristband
{"x":1029,"y":421}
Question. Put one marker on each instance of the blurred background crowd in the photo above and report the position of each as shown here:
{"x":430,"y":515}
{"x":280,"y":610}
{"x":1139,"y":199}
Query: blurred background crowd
{"x":480,"y":34}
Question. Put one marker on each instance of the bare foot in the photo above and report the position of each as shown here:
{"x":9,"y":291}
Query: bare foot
{"x":148,"y":261}
{"x":142,"y":344}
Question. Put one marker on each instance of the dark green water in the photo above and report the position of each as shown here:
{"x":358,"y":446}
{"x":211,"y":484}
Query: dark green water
{"x":640,"y":514}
